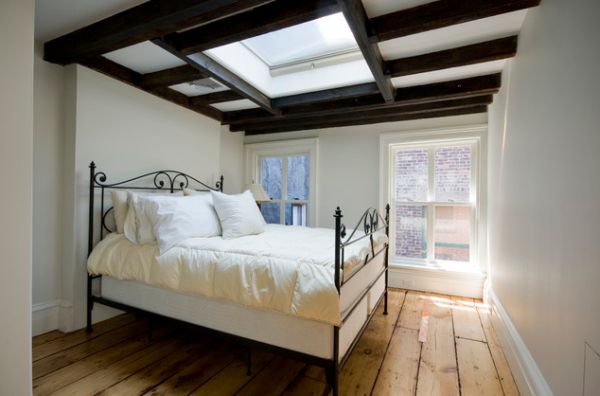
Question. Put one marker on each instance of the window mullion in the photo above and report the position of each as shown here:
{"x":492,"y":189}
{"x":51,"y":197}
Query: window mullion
{"x":284,"y":178}
{"x":431,"y":205}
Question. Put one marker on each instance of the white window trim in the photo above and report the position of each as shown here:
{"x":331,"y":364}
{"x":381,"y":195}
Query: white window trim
{"x":477,"y":133}
{"x":254,"y":151}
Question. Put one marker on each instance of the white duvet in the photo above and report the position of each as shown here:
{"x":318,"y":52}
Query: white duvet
{"x":288,"y":269}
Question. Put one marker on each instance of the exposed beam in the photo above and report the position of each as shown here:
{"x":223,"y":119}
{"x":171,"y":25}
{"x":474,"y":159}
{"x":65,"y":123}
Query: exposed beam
{"x":215,"y":97}
{"x":374,"y":120}
{"x":356,"y":17}
{"x":474,"y":86}
{"x":209,"y":67}
{"x":477,"y":53}
{"x":367,"y":114}
{"x":440,"y":14}
{"x":133,"y":78}
{"x":173,"y":76}
{"x":146,"y":21}
{"x":326,"y":95}
{"x":270,"y":17}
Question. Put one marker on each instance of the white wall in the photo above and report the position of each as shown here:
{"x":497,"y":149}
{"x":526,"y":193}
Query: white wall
{"x":348,"y":163}
{"x":16,"y":159}
{"x":544,"y":189}
{"x":126,"y":132}
{"x":232,"y":160}
{"x":48,"y":127}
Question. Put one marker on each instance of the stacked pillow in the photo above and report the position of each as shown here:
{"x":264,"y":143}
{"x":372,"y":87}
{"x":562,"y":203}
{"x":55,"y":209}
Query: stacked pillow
{"x":146,"y":218}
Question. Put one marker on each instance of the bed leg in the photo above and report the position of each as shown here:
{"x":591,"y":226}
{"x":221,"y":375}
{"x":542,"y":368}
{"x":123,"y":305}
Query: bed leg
{"x":332,"y":379}
{"x":249,"y":361}
{"x":88,"y":327}
{"x":89,"y":306}
{"x":385,"y":302}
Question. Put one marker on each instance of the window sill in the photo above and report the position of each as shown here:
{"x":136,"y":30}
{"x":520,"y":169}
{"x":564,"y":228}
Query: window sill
{"x":467,"y":269}
{"x":467,"y":283}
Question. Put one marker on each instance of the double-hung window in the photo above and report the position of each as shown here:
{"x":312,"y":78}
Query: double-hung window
{"x":433,"y":192}
{"x":286,"y":171}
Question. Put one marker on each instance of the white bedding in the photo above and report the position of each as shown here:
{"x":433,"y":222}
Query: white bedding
{"x":287,"y":269}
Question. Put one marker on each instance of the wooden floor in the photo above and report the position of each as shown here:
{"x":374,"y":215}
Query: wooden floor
{"x":427,"y":345}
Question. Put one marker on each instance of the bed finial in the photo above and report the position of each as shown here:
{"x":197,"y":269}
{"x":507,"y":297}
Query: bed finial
{"x":92,"y":165}
{"x":338,"y":212}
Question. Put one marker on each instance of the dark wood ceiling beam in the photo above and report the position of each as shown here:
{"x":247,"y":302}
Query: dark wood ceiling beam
{"x":325,"y":95}
{"x":474,"y":86}
{"x":471,"y":54}
{"x":373,"y":120}
{"x":439,"y":14}
{"x":133,"y":78}
{"x":173,"y":76}
{"x":215,"y":97}
{"x":360,"y":115}
{"x":356,"y":17}
{"x":270,"y":17}
{"x":146,"y":21}
{"x":206,"y":65}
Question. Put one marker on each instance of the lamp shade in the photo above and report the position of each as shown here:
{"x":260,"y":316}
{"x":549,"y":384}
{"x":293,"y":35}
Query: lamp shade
{"x":260,"y":195}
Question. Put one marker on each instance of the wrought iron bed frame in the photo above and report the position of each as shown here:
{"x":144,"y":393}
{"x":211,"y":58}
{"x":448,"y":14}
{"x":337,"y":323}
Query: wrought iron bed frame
{"x":169,"y":180}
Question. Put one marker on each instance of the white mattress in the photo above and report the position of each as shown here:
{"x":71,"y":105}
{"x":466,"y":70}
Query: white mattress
{"x":287,"y":269}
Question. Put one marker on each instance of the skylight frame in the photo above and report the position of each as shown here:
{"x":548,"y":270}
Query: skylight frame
{"x":347,"y":45}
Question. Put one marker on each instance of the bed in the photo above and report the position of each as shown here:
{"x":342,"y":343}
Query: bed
{"x":304,"y":293}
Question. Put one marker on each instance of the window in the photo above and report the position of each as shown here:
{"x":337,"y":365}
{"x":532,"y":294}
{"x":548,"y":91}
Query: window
{"x":286,"y":170}
{"x":286,"y":178}
{"x":433,"y":193}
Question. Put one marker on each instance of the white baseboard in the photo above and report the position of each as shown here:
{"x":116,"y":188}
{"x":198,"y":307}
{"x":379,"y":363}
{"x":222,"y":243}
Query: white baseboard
{"x":44,"y":317}
{"x":437,"y":281}
{"x":58,"y":314}
{"x":525,"y":370}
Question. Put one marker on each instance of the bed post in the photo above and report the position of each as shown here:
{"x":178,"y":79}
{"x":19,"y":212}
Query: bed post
{"x":387,"y":234}
{"x":334,"y":369}
{"x":89,"y":302}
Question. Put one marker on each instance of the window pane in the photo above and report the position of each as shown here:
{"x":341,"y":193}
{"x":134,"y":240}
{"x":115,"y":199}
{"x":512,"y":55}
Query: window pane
{"x":411,"y":175}
{"x":295,"y":214}
{"x":411,"y":231}
{"x":298,"y":173}
{"x":270,"y":212}
{"x":271,"y":176}
{"x":452,"y":174}
{"x":452,"y":233}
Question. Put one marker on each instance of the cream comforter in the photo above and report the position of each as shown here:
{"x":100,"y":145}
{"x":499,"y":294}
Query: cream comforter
{"x":287,"y":269}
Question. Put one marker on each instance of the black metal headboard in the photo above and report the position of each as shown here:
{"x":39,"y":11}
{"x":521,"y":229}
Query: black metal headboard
{"x":162,"y":180}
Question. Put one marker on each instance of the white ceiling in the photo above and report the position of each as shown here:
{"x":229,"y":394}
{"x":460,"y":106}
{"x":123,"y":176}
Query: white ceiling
{"x":381,"y":7}
{"x":453,"y":73}
{"x":145,"y":57}
{"x":454,"y":36}
{"x":53,"y":18}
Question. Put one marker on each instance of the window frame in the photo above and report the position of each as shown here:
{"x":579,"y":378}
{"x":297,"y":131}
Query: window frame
{"x":459,"y":136}
{"x":254,"y":152}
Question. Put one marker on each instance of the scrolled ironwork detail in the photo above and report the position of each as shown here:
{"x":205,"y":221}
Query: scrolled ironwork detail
{"x":100,"y":178}
{"x":370,"y":223}
{"x":159,"y":181}
{"x":343,"y":231}
{"x":182,"y":184}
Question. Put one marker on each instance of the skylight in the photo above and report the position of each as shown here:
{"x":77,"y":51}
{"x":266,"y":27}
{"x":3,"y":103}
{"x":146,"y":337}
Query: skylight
{"x":324,"y":37}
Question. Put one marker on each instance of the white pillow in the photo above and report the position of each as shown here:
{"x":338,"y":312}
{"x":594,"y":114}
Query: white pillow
{"x":239,"y":214}
{"x":137,"y":227}
{"x":120,"y":208}
{"x":177,"y":219}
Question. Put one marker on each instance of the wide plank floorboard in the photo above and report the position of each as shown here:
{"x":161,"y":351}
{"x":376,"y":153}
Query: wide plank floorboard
{"x":428,"y":344}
